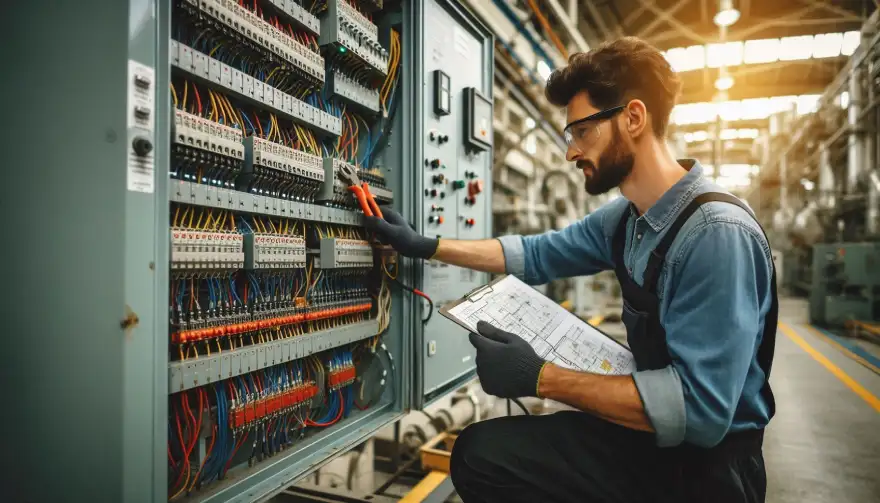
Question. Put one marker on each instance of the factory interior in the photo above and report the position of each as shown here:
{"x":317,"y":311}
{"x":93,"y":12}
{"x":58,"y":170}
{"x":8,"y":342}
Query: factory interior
{"x":206,"y":319}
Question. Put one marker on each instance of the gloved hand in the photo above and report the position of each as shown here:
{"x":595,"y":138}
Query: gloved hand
{"x":507,"y":365}
{"x":395,"y":231}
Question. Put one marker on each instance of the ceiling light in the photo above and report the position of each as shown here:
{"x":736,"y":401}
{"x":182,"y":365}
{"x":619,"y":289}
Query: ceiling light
{"x":724,"y":82}
{"x":727,"y":13}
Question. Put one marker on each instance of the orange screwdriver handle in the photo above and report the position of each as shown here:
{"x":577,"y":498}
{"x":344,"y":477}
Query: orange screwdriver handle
{"x":373,"y":205}
{"x":362,"y":199}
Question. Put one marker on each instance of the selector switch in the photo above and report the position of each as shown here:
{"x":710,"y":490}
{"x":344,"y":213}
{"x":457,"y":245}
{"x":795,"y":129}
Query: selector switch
{"x":435,"y":163}
{"x":439,"y":179}
{"x":142,"y":146}
{"x":434,"y":219}
{"x":470,"y":200}
{"x":470,"y":222}
{"x":433,"y":192}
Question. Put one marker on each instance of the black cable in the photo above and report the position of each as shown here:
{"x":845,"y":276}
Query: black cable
{"x":521,"y":406}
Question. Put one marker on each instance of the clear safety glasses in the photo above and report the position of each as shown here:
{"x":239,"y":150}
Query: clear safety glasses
{"x":583,"y":133}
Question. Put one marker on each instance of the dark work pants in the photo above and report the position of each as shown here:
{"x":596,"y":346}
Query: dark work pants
{"x":575,"y":457}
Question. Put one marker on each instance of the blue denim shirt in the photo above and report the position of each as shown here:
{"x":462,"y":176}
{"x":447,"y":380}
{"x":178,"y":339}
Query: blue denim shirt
{"x":714,"y":293}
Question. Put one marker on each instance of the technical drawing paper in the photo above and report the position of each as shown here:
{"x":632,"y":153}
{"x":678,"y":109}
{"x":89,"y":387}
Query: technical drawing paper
{"x":556,"y":334}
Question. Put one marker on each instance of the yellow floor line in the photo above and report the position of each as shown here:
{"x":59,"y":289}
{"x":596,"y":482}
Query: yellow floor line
{"x":842,"y":349}
{"x":596,"y":320}
{"x":857,"y":388}
{"x":425,"y":487}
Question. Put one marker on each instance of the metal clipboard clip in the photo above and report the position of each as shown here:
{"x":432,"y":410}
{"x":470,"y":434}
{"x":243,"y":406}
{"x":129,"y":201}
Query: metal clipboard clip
{"x":477,"y":294}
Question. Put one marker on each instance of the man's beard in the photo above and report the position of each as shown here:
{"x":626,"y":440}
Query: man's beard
{"x":615,"y":164}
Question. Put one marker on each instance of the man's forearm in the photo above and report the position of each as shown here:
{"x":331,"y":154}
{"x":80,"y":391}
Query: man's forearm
{"x":613,"y":398}
{"x":484,"y":255}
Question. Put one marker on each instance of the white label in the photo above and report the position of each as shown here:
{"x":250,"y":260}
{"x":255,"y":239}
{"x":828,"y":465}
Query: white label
{"x":141,"y":119}
{"x":141,"y":95}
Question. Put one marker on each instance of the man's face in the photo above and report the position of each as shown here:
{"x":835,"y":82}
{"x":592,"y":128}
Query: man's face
{"x":597,"y":147}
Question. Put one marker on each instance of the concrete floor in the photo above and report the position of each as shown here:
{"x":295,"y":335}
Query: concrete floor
{"x":824,"y":443}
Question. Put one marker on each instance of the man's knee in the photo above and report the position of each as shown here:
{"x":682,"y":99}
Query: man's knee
{"x":473,"y":451}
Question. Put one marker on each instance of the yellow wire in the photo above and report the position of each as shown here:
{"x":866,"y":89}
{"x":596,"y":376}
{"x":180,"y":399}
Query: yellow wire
{"x":173,"y":94}
{"x":185,"y":92}
{"x":214,"y":114}
{"x":176,"y":213}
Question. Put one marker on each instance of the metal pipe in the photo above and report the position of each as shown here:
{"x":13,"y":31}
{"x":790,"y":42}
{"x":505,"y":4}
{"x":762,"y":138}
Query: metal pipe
{"x":856,"y":140}
{"x":783,"y":185}
{"x":521,"y":27}
{"x":826,"y":178}
{"x":872,"y":216}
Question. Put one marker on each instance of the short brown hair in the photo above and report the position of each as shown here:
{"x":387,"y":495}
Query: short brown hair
{"x":616,"y":72}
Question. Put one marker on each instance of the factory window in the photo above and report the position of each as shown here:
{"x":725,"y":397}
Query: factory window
{"x":824,"y":45}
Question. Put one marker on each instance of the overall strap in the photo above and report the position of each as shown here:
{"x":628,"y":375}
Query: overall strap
{"x":618,"y":245}
{"x":658,"y":256}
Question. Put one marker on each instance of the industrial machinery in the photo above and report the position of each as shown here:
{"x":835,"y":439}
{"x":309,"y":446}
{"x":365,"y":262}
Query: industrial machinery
{"x":249,"y":328}
{"x":845,"y":284}
{"x":821,"y":181}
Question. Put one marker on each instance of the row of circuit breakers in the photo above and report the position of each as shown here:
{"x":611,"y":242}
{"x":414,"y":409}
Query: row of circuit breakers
{"x":278,"y":296}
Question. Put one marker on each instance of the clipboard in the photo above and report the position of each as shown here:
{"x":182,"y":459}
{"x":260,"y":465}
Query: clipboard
{"x":556,"y":334}
{"x":473,"y":296}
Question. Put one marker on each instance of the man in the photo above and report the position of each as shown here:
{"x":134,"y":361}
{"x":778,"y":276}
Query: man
{"x":700,"y":311}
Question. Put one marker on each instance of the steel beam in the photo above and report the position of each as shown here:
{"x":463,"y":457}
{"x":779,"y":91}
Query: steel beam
{"x":828,"y":6}
{"x":667,"y":15}
{"x":569,"y":25}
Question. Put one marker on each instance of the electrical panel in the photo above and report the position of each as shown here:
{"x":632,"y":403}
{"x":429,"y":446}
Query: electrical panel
{"x":262,"y":330}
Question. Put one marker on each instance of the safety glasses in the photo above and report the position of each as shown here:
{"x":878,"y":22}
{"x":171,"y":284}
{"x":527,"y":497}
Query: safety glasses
{"x":583,"y":133}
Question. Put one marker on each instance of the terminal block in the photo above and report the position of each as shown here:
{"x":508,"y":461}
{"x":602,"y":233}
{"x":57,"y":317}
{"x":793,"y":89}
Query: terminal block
{"x":299,"y":15}
{"x":360,"y":24}
{"x":199,"y":141}
{"x":254,"y":29}
{"x":342,"y":36}
{"x":273,"y":251}
{"x":340,"y":253}
{"x":205,"y":68}
{"x":353,"y":92}
{"x":334,"y":191}
{"x":340,"y":372}
{"x":252,"y":410}
{"x":194,"y":249}
{"x":279,"y":171}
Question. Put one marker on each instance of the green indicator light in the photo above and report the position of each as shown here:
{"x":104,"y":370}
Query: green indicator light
{"x":342,"y":49}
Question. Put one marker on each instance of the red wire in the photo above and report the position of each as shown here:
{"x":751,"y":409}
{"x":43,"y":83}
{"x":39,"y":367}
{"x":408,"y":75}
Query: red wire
{"x":198,"y":98}
{"x":234,"y":451}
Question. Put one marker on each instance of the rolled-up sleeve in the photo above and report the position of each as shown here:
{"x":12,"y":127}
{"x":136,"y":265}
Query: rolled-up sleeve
{"x":581,"y":248}
{"x":713,"y":322}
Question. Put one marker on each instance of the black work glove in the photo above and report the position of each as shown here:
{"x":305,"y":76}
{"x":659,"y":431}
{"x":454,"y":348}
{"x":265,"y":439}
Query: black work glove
{"x":395,"y":231}
{"x":507,"y":365}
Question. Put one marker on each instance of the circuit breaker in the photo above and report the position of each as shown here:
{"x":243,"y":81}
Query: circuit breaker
{"x":236,"y":324}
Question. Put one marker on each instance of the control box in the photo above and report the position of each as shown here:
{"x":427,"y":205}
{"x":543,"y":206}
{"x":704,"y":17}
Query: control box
{"x":242,"y":325}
